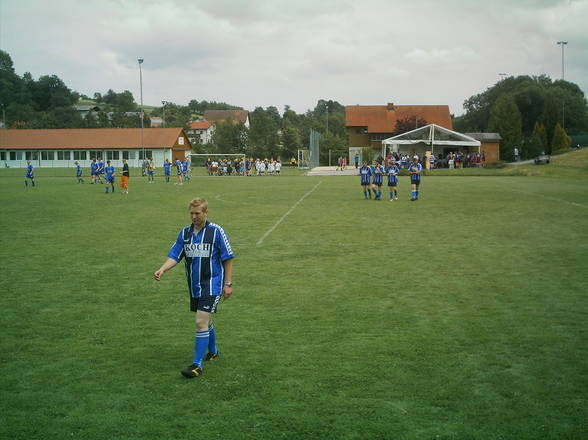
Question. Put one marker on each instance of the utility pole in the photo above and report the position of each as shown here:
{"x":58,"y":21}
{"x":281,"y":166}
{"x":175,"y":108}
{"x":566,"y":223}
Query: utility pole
{"x":563,"y":102}
{"x":327,"y":105}
{"x":140,"y":60}
{"x":163,"y":118}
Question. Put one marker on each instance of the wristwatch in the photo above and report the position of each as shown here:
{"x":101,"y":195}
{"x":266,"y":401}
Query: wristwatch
{"x":229,"y":284}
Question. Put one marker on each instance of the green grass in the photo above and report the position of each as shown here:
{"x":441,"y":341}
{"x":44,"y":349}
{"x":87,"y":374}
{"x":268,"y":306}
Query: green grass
{"x":461,"y":316}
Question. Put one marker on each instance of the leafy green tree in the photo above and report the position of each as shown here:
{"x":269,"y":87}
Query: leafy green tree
{"x":19,"y":115}
{"x":537,"y":144}
{"x":6,"y":62}
{"x":505,"y":119}
{"x":549,"y":119}
{"x":409,"y":123}
{"x":561,"y":141}
{"x":290,"y":141}
{"x":50,"y":92}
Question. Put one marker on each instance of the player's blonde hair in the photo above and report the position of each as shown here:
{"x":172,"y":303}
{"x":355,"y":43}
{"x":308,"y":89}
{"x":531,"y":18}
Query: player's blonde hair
{"x":199,"y":201}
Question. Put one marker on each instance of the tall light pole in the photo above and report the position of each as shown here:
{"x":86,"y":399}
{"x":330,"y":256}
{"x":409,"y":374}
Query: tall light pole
{"x":327,"y":105}
{"x":140,"y":60}
{"x":163,"y":118}
{"x":563,"y":101}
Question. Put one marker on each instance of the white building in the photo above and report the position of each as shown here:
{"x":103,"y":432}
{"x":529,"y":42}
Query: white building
{"x":63,"y":147}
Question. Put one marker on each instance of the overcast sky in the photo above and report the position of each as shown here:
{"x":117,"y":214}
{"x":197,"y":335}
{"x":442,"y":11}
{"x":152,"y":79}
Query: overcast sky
{"x":294,"y":52}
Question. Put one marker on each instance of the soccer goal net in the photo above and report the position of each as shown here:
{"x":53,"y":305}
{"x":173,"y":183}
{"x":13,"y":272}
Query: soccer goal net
{"x":219,"y":164}
{"x":304,"y":159}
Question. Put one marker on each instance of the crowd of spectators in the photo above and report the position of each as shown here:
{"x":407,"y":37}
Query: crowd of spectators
{"x":452,"y":160}
{"x":243,"y":167}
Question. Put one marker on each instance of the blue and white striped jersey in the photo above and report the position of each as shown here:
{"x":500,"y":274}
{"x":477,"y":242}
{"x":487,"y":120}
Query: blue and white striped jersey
{"x":392,"y":173}
{"x":378,"y":174}
{"x":365,"y":173}
{"x":78,"y":170}
{"x":204,"y":253}
{"x":415,"y":167}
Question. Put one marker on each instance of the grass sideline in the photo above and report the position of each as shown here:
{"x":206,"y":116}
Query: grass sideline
{"x":460,"y":316}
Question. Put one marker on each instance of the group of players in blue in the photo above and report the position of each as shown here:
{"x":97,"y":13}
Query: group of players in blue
{"x":372,"y":179}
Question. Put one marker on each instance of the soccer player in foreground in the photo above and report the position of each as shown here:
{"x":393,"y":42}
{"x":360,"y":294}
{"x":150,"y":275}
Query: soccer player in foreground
{"x":415,"y":170}
{"x":208,"y":257}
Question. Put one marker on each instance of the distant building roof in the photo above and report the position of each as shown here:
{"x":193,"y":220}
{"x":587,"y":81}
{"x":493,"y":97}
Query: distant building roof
{"x":87,"y":108}
{"x":486,"y":137}
{"x":382,"y":118}
{"x":224,"y":115}
{"x":92,"y":138}
{"x":200,"y":125}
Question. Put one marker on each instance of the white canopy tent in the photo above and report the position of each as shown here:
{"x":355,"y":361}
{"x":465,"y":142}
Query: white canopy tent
{"x":430,"y":135}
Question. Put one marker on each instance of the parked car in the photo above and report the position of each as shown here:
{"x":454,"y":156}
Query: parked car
{"x":542,"y":159}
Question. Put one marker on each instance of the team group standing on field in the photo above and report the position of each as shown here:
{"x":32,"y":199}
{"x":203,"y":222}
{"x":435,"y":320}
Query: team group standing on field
{"x":372,"y":178}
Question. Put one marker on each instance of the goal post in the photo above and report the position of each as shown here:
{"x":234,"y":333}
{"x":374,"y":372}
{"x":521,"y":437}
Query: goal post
{"x":199,"y":160}
{"x":304,"y":159}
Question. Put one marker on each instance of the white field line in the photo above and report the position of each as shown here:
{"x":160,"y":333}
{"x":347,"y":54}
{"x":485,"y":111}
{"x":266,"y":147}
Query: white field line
{"x":270,"y":230}
{"x":549,"y":198}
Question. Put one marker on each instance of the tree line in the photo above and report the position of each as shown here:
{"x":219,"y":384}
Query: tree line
{"x":532,"y":113}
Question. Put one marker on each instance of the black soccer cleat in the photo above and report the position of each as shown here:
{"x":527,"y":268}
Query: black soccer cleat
{"x":210,"y":356}
{"x":192,"y":371}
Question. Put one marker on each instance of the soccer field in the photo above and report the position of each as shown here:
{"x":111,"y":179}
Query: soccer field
{"x":461,"y":316}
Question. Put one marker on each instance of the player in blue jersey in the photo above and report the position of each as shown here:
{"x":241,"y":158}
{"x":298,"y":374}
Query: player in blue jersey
{"x":167,"y":170}
{"x":392,"y":173}
{"x":30,"y":174}
{"x":208,"y":257}
{"x":179,"y":168}
{"x":93,"y":168}
{"x":365,"y":173}
{"x":110,"y":173}
{"x":378,"y":180}
{"x":79,"y":173}
{"x":100,"y":170}
{"x":415,"y":169}
{"x":186,"y":170}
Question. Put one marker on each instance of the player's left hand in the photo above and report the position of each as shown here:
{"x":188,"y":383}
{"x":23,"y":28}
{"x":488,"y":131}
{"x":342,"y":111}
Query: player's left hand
{"x":227,"y":292}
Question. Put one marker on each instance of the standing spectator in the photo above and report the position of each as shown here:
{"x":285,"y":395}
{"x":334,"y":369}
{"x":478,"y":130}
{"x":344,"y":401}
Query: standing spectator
{"x":516,"y":154}
{"x":357,"y":160}
{"x":338,"y":164}
{"x":124,"y":180}
{"x":343,"y":163}
{"x":202,"y":245}
{"x":278,"y":166}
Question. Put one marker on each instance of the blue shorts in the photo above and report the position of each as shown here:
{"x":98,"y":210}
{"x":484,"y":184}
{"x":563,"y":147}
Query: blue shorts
{"x":109,"y":179}
{"x":415,"y":179}
{"x":205,"y":303}
{"x":365,"y":183}
{"x":393,"y":181}
{"x":378,"y":182}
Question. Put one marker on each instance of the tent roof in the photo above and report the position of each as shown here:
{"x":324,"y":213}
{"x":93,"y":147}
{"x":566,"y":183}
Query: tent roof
{"x":432,"y":134}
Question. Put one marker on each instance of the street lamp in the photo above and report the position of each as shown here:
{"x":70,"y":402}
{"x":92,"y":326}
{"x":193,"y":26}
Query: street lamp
{"x":163,"y":117}
{"x":140,"y":60}
{"x":327,"y":105}
{"x":563,"y":103}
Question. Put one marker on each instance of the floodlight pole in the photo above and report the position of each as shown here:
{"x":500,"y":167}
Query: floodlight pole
{"x":140,"y":60}
{"x":163,"y":118}
{"x":563,"y":103}
{"x":327,"y":106}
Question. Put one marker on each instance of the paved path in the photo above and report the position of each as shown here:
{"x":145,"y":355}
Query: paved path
{"x":332,"y":171}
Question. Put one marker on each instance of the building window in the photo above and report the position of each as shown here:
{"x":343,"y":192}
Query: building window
{"x":2,"y":155}
{"x":96,"y":155}
{"x":79,"y":155}
{"x":47,"y":155}
{"x":128,"y":155}
{"x":112,"y":155}
{"x":15,"y":155}
{"x":32,"y":155}
{"x":63,"y":155}
{"x":148,"y":154}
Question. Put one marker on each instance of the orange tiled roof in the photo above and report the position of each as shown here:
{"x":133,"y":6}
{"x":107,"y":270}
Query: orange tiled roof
{"x":92,"y":138}
{"x":200,"y":125}
{"x":382,"y":118}
{"x":224,"y":115}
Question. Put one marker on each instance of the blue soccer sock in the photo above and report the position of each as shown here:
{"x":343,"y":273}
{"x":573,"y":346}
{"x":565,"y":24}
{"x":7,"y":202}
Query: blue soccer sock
{"x":417,"y":193}
{"x":106,"y":189}
{"x":200,"y":346}
{"x":391,"y":195}
{"x":33,"y":182}
{"x":413,"y":192}
{"x":212,"y":340}
{"x":365,"y":193}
